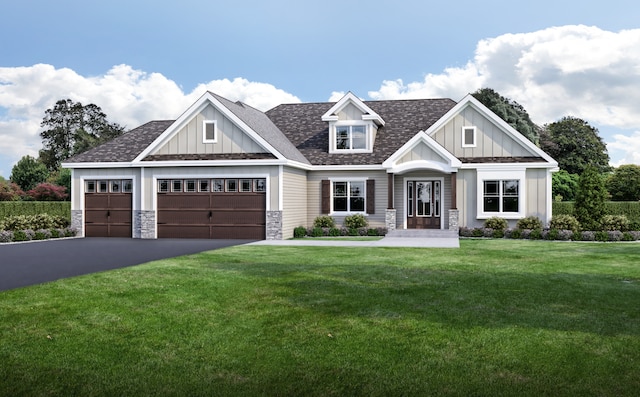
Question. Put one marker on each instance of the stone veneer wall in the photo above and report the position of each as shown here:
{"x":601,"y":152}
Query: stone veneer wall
{"x":144,"y":224}
{"x":390,"y":220}
{"x":274,"y":225}
{"x":454,"y":216}
{"x":76,"y":221}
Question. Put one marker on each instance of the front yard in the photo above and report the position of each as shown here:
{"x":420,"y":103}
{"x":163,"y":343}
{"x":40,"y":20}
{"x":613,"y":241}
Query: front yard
{"x":495,"y":317}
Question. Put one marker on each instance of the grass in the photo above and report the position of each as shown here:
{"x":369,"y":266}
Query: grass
{"x":493,"y":318}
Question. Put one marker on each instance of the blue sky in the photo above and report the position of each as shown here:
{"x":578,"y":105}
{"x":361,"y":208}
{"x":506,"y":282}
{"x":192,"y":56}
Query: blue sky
{"x":142,"y":60}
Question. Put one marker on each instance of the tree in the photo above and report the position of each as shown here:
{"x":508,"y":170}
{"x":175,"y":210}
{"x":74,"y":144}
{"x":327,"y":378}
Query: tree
{"x":624,"y":183}
{"x":48,"y":192}
{"x":565,"y":185}
{"x":575,"y":145}
{"x":510,"y":111}
{"x":71,"y":128}
{"x":28,"y":172}
{"x":61,"y":177}
{"x":9,"y":191}
{"x":590,"y":199}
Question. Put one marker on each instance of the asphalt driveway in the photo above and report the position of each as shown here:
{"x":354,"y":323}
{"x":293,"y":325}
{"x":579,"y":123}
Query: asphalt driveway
{"x":42,"y":261}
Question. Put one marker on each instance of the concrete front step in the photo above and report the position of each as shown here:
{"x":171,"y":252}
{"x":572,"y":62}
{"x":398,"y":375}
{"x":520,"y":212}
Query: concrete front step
{"x":422,"y":233}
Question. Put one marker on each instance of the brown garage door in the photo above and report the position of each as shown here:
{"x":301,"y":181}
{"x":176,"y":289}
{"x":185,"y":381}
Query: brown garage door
{"x":107,"y":206}
{"x":212,"y":208}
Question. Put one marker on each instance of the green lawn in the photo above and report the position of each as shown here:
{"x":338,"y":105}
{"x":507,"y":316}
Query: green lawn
{"x":493,"y":318}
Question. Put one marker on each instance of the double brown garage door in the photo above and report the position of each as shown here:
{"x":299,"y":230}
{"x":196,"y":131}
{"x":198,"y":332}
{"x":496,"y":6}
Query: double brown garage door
{"x":212,"y":208}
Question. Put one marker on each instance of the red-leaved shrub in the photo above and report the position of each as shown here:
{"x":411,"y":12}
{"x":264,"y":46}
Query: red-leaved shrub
{"x":48,"y":192}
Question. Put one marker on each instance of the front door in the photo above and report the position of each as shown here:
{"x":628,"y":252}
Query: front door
{"x":424,"y":203}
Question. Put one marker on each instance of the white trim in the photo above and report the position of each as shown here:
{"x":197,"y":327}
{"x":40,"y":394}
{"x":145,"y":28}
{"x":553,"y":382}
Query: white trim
{"x":368,"y":113}
{"x":501,"y":175}
{"x":280,"y":188}
{"x":464,"y":136}
{"x":450,"y":163}
{"x":333,"y":136}
{"x":404,"y":195}
{"x":205,"y":100}
{"x":348,"y":180}
{"x":204,"y":131}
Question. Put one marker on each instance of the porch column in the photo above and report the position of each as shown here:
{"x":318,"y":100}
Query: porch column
{"x":390,"y":214}
{"x":454,"y":214}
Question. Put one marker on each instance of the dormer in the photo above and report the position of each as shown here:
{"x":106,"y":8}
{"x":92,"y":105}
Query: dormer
{"x":352,"y":126}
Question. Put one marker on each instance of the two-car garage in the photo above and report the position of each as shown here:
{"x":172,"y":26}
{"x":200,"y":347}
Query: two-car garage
{"x":216,"y":208}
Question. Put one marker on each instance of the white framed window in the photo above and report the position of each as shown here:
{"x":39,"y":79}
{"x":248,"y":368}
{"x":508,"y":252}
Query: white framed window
{"x":501,"y":194}
{"x":259,"y":185}
{"x":209,"y":131}
{"x":90,"y":187}
{"x":115,"y":186}
{"x":103,"y":186}
{"x":127,"y":186}
{"x":190,"y":185}
{"x":203,"y":185}
{"x":232,"y":185}
{"x":246,"y":185}
{"x":348,"y":196}
{"x":468,"y":136}
{"x":176,"y":185}
{"x":351,"y":137}
{"x":163,"y":186}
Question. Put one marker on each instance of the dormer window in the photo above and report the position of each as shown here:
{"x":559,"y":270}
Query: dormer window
{"x":209,"y":131}
{"x":351,"y":137}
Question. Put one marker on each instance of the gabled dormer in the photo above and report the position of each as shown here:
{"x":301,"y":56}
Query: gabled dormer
{"x":352,"y":126}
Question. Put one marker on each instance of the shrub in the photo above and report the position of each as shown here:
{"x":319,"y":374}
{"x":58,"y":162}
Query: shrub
{"x":48,"y":192}
{"x":69,"y":232}
{"x":497,"y":233}
{"x":496,"y":223}
{"x":34,"y":222}
{"x":42,"y":234}
{"x":615,"y":222}
{"x":355,"y":221}
{"x":588,"y":236}
{"x":530,"y":222}
{"x":536,"y":234}
{"x":23,"y":235}
{"x":324,"y":221}
{"x":614,"y":235}
{"x":6,"y":236}
{"x":334,"y":231}
{"x":565,"y":235}
{"x":299,"y":232}
{"x":564,"y":222}
{"x":487,"y":232}
{"x":352,"y":231}
{"x":372,"y":232}
{"x":590,"y":199}
{"x":513,"y":233}
{"x":601,"y":236}
{"x":317,"y":232}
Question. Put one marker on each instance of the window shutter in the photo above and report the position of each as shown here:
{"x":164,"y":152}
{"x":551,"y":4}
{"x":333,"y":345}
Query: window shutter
{"x":371,"y":196}
{"x":326,"y":196}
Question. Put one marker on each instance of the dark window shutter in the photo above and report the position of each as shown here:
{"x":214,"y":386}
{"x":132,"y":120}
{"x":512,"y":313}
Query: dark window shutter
{"x":371,"y":196}
{"x":326,"y":196}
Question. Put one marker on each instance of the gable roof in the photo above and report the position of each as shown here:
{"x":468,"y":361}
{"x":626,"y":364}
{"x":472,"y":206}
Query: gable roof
{"x":124,"y":148}
{"x":350,"y":98}
{"x":302,"y":124}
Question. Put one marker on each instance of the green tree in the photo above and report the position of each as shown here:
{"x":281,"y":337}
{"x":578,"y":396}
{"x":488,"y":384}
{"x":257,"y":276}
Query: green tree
{"x":510,"y":111}
{"x":28,"y":172}
{"x":71,"y":128}
{"x":624,"y":183}
{"x":590,"y":199}
{"x":61,"y":177}
{"x":575,"y":145}
{"x":564,"y":184}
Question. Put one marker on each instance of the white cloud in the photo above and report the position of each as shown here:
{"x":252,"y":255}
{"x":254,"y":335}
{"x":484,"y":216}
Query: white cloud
{"x":579,"y":71}
{"x":628,"y":146}
{"x":129,"y":97}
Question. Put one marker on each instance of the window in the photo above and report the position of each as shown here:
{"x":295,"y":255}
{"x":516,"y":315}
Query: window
{"x":218,"y":185}
{"x":349,"y":196}
{"x":351,"y":137}
{"x":203,"y":185}
{"x":163,"y":186}
{"x":209,"y":131}
{"x":501,"y":196}
{"x":176,"y":185}
{"x":90,"y":187}
{"x":468,"y":136}
{"x":260,"y":185}
{"x":102,"y":186}
{"x":245,"y":185}
{"x":127,"y":186}
{"x":115,"y":186}
{"x":232,"y":185}
{"x":190,"y":185}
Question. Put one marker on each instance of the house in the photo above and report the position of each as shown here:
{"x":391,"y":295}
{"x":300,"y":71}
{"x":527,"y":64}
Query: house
{"x":226,"y":170}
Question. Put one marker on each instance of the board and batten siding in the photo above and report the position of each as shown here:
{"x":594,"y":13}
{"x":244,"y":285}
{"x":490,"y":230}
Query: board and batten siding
{"x":491,"y":141}
{"x":537,"y":193}
{"x":467,"y":181}
{"x":314,"y":194}
{"x":229,"y":137}
{"x":294,"y":200}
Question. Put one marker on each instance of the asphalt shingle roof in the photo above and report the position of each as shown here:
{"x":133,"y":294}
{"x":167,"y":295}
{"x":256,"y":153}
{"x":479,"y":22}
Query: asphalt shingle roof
{"x":303,"y":125}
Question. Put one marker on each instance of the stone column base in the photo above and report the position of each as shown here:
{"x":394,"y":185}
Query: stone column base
{"x":390,"y":220}
{"x":144,"y":224}
{"x":274,"y":225}
{"x":76,"y":222}
{"x":454,"y":220}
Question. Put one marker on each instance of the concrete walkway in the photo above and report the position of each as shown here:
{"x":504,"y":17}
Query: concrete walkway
{"x":410,"y":242}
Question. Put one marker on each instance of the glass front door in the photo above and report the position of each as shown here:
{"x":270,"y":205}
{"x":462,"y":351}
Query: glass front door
{"x":424,"y":202}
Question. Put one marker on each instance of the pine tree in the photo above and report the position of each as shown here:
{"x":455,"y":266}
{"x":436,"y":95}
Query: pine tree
{"x":590,"y":199}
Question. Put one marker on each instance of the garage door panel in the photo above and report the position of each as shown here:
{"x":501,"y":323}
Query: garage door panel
{"x":120,"y":201}
{"x":119,"y":216}
{"x":238,"y":232}
{"x":180,"y":231}
{"x":96,"y":200}
{"x":100,"y":230}
{"x":185,"y":201}
{"x":96,"y":216}
{"x":239,"y":201}
{"x":235,"y":217}
{"x":183,"y":217}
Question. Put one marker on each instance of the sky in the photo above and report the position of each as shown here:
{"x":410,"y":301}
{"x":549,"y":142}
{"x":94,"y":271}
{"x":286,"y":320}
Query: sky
{"x":142,"y":60}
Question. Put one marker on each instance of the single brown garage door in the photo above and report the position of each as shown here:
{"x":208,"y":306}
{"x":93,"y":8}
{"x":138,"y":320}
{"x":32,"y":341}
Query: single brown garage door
{"x":107,"y":208}
{"x":212,"y":208}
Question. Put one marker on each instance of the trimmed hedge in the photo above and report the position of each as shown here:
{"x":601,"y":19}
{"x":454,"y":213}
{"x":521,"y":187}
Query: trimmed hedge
{"x":630,"y":209}
{"x":551,"y":234}
{"x":54,"y":208}
{"x":301,"y":231}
